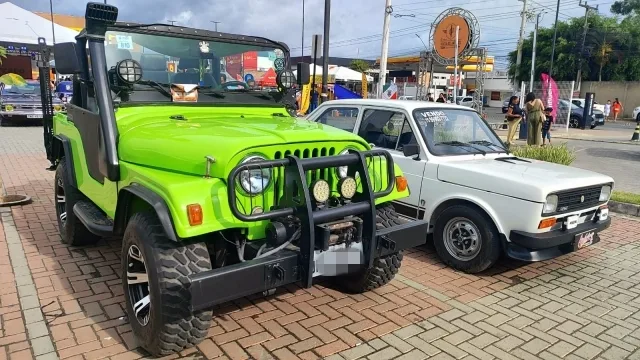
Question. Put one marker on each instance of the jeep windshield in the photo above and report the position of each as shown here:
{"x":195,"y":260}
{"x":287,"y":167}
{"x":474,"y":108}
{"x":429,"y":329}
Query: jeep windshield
{"x":456,"y":132}
{"x":216,"y":67}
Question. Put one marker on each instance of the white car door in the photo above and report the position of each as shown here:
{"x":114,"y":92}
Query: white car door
{"x":390,"y":129}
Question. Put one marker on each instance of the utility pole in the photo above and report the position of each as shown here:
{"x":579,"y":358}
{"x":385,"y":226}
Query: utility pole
{"x":533,"y":55}
{"x":555,"y":36}
{"x":584,"y":38}
{"x":455,"y":70}
{"x":523,"y":24}
{"x":216,"y":24}
{"x":302,"y":51}
{"x":325,"y":49}
{"x":382,"y":79}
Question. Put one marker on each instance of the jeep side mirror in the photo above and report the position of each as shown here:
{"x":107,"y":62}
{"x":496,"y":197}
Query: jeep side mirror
{"x":303,"y":74}
{"x":410,"y":150}
{"x":66,"y":58}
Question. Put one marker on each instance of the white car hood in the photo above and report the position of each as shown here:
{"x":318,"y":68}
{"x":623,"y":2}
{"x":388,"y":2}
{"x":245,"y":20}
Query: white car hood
{"x":528,"y":181}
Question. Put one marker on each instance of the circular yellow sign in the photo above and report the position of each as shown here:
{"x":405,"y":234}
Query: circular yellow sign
{"x":444,"y":36}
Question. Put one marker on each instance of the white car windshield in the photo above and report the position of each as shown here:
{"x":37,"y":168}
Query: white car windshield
{"x":456,"y":132}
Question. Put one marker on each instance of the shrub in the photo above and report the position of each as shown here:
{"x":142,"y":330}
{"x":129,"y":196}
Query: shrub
{"x":625,"y":197}
{"x":559,"y":154}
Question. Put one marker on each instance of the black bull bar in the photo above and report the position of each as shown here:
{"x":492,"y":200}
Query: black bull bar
{"x":297,"y":201}
{"x":288,"y":266}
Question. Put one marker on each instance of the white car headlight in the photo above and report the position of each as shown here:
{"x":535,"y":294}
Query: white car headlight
{"x":605,"y":193}
{"x":254,"y":181}
{"x":550,"y":205}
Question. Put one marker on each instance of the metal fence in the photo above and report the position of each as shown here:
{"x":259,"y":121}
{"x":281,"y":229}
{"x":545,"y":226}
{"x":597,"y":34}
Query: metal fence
{"x":562,"y":107}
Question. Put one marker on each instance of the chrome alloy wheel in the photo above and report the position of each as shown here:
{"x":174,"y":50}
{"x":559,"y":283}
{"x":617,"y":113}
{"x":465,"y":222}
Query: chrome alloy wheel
{"x":462,"y":239}
{"x":138,"y":283}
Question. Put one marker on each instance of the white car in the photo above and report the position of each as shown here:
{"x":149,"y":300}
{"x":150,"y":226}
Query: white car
{"x":480,"y":201}
{"x":581,"y":102}
{"x":636,"y":114}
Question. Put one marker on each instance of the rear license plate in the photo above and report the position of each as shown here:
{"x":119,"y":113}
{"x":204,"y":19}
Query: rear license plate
{"x":585,"y":239}
{"x":34,"y":116}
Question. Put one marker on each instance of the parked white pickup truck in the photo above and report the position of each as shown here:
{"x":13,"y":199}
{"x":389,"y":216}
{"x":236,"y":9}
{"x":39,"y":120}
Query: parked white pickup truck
{"x":481,"y":201}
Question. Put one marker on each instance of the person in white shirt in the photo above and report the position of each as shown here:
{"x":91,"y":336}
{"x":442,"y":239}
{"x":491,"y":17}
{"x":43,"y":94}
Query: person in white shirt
{"x":607,"y":109}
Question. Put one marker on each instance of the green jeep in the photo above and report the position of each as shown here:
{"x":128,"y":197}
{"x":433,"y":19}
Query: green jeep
{"x":217,"y":191}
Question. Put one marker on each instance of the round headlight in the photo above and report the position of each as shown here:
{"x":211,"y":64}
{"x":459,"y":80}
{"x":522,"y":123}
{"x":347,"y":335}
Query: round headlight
{"x":8,"y":107}
{"x":286,"y":79}
{"x":551,"y":204}
{"x":320,"y":190}
{"x":342,"y":171}
{"x":129,"y":71}
{"x":347,"y":187}
{"x":57,"y":107}
{"x":254,"y":181}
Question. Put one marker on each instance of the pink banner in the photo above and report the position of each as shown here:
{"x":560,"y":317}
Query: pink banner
{"x":550,"y":94}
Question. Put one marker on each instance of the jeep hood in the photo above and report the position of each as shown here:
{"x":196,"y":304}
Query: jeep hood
{"x":529,"y":181}
{"x":180,"y":145}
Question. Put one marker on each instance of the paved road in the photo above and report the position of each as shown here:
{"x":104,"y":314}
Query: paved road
{"x":63,"y":302}
{"x":620,"y":161}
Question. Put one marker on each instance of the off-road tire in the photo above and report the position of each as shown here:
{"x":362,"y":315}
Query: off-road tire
{"x":172,"y":325}
{"x":490,"y":246}
{"x":72,"y":231}
{"x":384,"y":268}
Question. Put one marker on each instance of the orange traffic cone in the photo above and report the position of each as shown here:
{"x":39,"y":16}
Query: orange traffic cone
{"x":636,"y":134}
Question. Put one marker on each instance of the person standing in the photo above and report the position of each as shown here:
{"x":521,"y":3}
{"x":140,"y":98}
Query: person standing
{"x":607,"y":110}
{"x":546,"y":126}
{"x":535,"y":118}
{"x":617,"y":109}
{"x":514,"y":117}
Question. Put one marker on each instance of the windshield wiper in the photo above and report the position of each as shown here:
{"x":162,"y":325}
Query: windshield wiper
{"x":461,"y":144}
{"x":161,"y":87}
{"x":488,"y":143}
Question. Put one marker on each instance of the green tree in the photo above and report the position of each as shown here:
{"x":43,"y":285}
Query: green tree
{"x":359,"y":65}
{"x":610,"y":52}
{"x":3,"y":54}
{"x":626,"y":7}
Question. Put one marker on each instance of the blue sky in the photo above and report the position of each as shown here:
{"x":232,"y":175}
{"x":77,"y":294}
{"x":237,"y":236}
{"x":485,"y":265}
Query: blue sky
{"x":356,"y":25}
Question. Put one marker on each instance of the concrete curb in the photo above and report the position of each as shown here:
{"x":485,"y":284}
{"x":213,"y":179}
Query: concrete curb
{"x":600,"y":141}
{"x":624,"y":208}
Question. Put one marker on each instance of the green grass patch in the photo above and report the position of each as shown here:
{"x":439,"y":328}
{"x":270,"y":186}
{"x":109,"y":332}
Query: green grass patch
{"x":558,"y":154}
{"x":626,"y":197}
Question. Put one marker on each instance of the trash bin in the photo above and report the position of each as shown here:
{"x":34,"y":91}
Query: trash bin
{"x":523,"y":129}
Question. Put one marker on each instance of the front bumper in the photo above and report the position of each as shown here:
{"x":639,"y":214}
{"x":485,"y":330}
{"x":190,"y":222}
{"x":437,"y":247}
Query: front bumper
{"x":315,"y":255}
{"x":544,"y":246}
{"x":37,"y":114}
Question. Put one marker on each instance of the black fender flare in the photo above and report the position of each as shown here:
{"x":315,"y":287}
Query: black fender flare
{"x":68,"y":159}
{"x":127,"y":193}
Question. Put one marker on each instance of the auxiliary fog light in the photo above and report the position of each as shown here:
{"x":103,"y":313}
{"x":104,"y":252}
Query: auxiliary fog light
{"x":320,"y":190}
{"x":347,"y":187}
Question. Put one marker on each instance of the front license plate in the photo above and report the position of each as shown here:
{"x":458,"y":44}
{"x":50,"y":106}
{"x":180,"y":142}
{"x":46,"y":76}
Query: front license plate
{"x":34,"y":116}
{"x":585,"y":239}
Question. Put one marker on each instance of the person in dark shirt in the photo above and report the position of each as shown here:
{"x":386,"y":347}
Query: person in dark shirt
{"x":546,"y":126}
{"x":514,"y":117}
{"x":441,"y":98}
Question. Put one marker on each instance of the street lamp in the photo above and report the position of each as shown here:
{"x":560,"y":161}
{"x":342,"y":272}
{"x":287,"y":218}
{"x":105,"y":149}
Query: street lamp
{"x":216,"y":24}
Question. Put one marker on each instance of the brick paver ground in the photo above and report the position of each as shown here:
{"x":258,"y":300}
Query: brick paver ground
{"x":67,"y":302}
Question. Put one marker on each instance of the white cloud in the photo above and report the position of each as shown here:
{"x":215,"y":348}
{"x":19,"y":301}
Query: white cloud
{"x":356,"y":25}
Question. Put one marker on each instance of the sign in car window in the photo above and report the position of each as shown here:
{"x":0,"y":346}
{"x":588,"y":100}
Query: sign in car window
{"x":423,"y":118}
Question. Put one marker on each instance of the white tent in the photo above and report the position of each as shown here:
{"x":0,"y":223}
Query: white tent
{"x":318,"y":70}
{"x":24,"y":27}
{"x":345,"y":74}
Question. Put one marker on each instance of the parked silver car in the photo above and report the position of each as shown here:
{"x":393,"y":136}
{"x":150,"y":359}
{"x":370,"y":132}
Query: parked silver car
{"x":20,"y":103}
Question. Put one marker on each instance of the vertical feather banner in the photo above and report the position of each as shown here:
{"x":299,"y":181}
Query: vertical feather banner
{"x":550,"y":95}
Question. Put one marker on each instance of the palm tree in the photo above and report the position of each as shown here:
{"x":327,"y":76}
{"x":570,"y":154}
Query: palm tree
{"x":359,"y":65}
{"x":602,"y":56}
